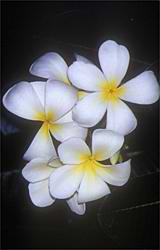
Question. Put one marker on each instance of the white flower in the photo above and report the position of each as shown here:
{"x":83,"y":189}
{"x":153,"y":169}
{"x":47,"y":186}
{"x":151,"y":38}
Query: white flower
{"x":50,"y":103}
{"x":37,"y":172}
{"x":106,"y":94}
{"x":52,"y":66}
{"x":83,"y":172}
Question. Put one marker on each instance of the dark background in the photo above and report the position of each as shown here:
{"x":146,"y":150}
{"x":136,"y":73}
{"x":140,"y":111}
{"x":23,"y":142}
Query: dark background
{"x":129,"y":218}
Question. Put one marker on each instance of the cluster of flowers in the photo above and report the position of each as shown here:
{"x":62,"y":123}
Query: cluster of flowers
{"x":69,"y":102}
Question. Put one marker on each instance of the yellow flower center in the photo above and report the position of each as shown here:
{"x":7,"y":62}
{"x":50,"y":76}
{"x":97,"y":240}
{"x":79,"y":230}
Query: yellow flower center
{"x":89,"y":161}
{"x":48,"y":124}
{"x":45,"y":117}
{"x":90,"y":167}
{"x":110,"y":92}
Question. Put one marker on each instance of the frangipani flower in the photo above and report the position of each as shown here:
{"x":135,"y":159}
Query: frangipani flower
{"x":37,"y":172}
{"x":50,"y":103}
{"x":52,"y":66}
{"x":106,"y":92}
{"x":83,"y":172}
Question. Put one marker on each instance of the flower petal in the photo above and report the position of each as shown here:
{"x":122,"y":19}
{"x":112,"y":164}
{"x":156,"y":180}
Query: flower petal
{"x":80,"y":58}
{"x":114,"y":60}
{"x":39,"y":88}
{"x":64,"y":181}
{"x":41,"y":146}
{"x":36,"y":170}
{"x":65,"y":119}
{"x":73,"y":151}
{"x":85,"y":76}
{"x":90,"y":110}
{"x":39,"y":194}
{"x":92,"y":188}
{"x":60,"y":99}
{"x":55,"y":163}
{"x":75,"y":206}
{"x":116,"y":175}
{"x":143,"y":89}
{"x":51,"y":66}
{"x":22,"y":101}
{"x":67,"y":130}
{"x":105,"y":143}
{"x":120,"y":118}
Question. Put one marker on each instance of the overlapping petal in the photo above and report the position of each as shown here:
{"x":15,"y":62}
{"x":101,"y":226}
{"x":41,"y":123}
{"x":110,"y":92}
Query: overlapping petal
{"x":39,"y":194}
{"x":65,"y":119}
{"x":85,"y":76}
{"x":64,"y":131}
{"x":105,"y":143}
{"x":60,"y":99}
{"x":73,"y":151}
{"x":78,"y":208}
{"x":40,"y":89}
{"x":51,"y":66}
{"x":64,"y":181}
{"x":90,"y":110}
{"x":55,"y":162}
{"x":120,"y":118}
{"x":37,"y":170}
{"x":114,"y":60}
{"x":65,"y":127}
{"x":82,"y":59}
{"x":143,"y":89}
{"x":22,"y":101}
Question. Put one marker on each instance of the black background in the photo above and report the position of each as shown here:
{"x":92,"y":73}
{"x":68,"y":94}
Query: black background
{"x":30,"y":29}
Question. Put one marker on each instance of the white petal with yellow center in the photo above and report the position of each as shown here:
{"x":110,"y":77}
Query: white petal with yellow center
{"x":42,"y":145}
{"x":110,"y":93}
{"x":105,"y":143}
{"x":92,"y":187}
{"x":114,"y":60}
{"x":39,"y":194}
{"x":51,"y":66}
{"x":22,"y":101}
{"x":120,"y":118}
{"x":88,"y":176}
{"x":73,"y":151}
{"x":143,"y":89}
